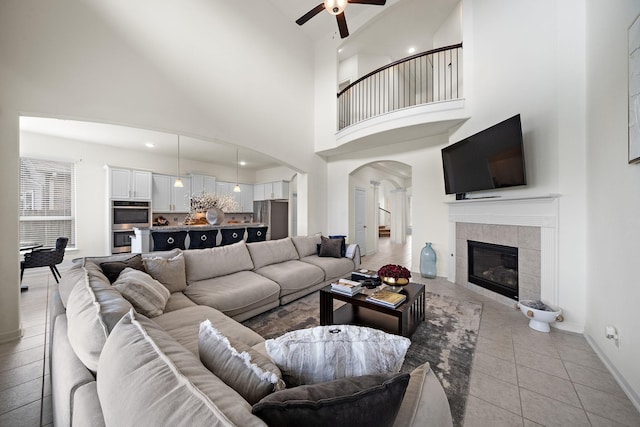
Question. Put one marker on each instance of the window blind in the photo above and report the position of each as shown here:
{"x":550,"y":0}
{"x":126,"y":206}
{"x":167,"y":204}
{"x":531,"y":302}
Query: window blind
{"x":47,"y":201}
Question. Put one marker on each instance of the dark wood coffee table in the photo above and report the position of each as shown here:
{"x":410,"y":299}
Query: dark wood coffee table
{"x":402,"y":320}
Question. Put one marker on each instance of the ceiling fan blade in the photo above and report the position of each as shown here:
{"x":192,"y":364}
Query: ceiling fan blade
{"x":374,"y":2}
{"x":313,"y":12}
{"x":342,"y":25}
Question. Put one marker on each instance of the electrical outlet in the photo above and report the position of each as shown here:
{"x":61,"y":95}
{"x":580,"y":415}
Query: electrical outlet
{"x":611,"y":333}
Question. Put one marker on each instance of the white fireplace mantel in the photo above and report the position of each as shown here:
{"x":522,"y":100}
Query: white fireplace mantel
{"x":533,"y":211}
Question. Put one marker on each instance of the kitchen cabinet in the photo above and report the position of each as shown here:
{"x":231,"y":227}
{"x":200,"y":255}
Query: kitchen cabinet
{"x":167,"y":198}
{"x":244,"y":198}
{"x":128,"y":184}
{"x":276,"y":190}
{"x":201,"y":184}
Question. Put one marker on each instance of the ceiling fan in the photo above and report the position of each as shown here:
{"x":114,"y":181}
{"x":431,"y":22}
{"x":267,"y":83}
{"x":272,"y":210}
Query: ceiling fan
{"x":336,"y":7}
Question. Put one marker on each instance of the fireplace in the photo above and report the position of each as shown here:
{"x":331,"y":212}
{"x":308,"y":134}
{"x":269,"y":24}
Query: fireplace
{"x":493,"y":267}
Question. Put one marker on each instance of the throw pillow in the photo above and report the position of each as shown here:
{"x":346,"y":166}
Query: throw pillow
{"x":170,"y":272}
{"x":324,"y":353}
{"x":112,"y":269}
{"x":147,"y":295}
{"x":330,"y":247}
{"x":247,"y":371}
{"x":343,"y":247}
{"x":370,"y":400}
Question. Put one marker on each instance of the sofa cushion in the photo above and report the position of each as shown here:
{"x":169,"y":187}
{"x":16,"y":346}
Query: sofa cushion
{"x":112,"y":269}
{"x":306,"y":245}
{"x":365,"y":401}
{"x":324,"y":353}
{"x":272,"y":252}
{"x":330,"y":247}
{"x":204,"y":264}
{"x":168,"y":271}
{"x":183,"y":325}
{"x":292,"y":276}
{"x":178,"y":301}
{"x":148,"y":378}
{"x":333,"y":268}
{"x":234,"y":294}
{"x":71,"y":278}
{"x":423,"y":400}
{"x":147,"y":295}
{"x":247,"y":371}
{"x":93,"y":310}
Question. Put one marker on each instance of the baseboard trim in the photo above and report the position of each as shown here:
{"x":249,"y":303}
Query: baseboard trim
{"x":11,"y":336}
{"x":631,"y":394}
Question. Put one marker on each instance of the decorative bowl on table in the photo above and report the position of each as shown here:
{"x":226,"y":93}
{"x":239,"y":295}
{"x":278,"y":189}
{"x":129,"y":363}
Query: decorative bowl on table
{"x":395,"y":276}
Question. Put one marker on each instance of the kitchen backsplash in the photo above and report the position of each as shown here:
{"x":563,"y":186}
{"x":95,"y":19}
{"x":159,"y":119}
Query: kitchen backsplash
{"x":179,"y":218}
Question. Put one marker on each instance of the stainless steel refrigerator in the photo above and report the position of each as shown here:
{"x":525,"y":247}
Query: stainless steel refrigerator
{"x":275,"y":215}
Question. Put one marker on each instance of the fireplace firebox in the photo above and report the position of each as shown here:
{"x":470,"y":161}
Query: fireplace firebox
{"x":494,"y":267}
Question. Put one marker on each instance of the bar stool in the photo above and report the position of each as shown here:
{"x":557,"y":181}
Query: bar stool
{"x":167,"y":240}
{"x":231,"y":235}
{"x":201,"y":239}
{"x":256,"y":234}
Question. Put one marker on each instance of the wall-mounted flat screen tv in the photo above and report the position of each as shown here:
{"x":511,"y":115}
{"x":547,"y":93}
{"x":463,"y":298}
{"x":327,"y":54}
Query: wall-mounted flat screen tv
{"x":490,"y":159}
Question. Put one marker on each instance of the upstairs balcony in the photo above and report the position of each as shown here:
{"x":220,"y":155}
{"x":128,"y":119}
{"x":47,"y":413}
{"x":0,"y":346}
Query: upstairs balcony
{"x":418,"y":96}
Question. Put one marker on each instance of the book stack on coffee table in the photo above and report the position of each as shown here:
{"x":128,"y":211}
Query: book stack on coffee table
{"x":347,"y":287}
{"x":387,"y":298}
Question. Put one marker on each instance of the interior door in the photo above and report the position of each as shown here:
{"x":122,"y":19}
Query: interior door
{"x":360,"y":219}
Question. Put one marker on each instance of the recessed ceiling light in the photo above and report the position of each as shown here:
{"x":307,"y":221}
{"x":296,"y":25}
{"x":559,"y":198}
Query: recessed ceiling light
{"x":411,"y":50}
{"x":340,"y":50}
{"x":242,"y":163}
{"x":149,"y":144}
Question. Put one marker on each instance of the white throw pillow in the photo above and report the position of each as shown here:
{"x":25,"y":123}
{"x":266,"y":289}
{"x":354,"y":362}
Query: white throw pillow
{"x":146,"y":294}
{"x":325,"y":353}
{"x":247,"y":371}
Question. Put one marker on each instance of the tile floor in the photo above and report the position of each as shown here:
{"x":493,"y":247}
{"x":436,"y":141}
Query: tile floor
{"x":520,"y":377}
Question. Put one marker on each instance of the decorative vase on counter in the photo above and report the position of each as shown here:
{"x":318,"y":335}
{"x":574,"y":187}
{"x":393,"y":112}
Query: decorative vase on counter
{"x":215,"y":216}
{"x":428,"y":262}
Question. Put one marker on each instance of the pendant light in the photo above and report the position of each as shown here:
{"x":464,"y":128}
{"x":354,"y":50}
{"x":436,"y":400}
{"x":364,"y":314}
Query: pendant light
{"x":178,"y":182}
{"x":237,"y":189}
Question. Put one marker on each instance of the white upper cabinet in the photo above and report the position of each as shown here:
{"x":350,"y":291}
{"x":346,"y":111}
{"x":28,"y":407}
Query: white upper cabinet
{"x":271,"y":190}
{"x":167,"y":198}
{"x":246,"y":198}
{"x":202,"y":184}
{"x":127,"y":184}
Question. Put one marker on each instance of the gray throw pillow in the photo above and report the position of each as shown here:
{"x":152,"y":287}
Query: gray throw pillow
{"x":242,"y":368}
{"x":168,"y":271}
{"x":147,"y":295}
{"x":365,"y":401}
{"x":330,"y":247}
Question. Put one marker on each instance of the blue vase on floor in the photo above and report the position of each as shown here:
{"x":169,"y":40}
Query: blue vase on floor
{"x":428,"y":262}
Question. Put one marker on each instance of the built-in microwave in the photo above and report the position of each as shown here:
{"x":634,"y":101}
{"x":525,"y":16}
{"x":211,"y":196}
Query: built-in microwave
{"x":128,"y":214}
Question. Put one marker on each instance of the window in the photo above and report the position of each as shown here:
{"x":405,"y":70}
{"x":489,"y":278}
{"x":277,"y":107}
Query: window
{"x":47,"y":201}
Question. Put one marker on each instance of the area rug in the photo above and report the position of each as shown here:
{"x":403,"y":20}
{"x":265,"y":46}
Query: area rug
{"x":446,"y":339}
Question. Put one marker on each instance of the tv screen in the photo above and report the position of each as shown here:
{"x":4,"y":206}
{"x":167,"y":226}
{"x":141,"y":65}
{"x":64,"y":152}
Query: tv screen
{"x":488,"y":160}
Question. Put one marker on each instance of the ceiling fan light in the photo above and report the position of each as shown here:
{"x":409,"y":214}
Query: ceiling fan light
{"x":335,"y":7}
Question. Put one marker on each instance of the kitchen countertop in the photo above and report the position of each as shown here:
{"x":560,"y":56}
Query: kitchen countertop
{"x":199,"y":227}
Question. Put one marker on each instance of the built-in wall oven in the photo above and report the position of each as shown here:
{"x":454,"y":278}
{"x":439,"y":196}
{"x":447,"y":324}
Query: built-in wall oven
{"x":125,"y":215}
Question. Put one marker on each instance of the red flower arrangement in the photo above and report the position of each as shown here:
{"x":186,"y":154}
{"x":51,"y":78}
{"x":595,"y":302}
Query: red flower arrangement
{"x":394,"y":271}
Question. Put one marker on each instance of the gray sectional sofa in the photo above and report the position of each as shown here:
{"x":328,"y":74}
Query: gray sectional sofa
{"x":111,"y":365}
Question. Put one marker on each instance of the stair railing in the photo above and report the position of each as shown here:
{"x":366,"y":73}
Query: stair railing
{"x":423,"y":78}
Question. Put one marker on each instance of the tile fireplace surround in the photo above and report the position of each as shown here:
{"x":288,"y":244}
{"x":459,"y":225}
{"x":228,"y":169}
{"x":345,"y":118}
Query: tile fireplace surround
{"x":528,"y":223}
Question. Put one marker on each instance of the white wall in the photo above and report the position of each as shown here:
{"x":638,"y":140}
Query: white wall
{"x":613,"y":199}
{"x":430,"y":214}
{"x":450,"y":32}
{"x":280,"y":173}
{"x":172,"y":68}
